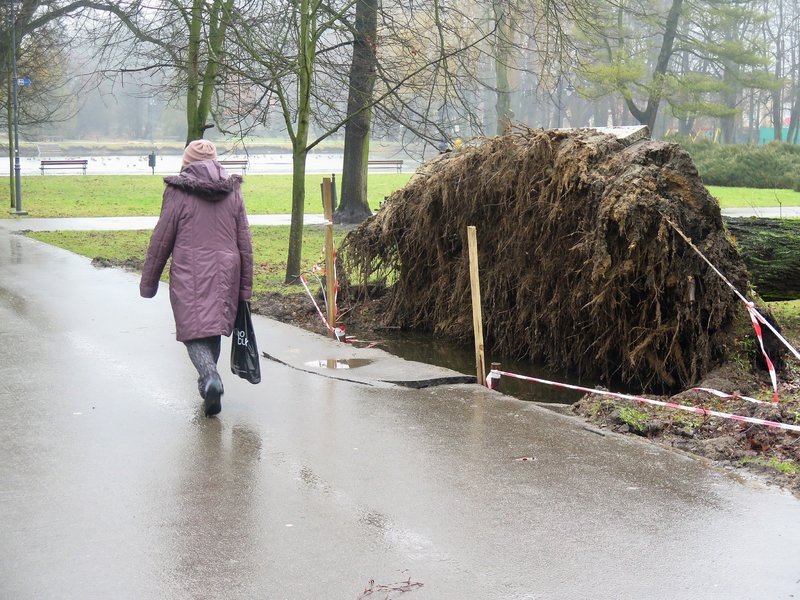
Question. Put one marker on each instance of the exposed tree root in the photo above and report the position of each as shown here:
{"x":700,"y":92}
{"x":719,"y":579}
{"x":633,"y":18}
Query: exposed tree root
{"x":579,"y":269}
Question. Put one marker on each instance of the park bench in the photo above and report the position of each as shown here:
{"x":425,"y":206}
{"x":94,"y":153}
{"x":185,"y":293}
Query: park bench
{"x":230,"y":164}
{"x":388,"y":164}
{"x":64,"y":164}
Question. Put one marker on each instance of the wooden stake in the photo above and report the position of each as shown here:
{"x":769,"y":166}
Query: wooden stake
{"x":330,"y":280}
{"x":477,"y":321}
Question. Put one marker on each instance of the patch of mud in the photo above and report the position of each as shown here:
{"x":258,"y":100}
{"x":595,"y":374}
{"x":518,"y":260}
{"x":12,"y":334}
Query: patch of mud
{"x":366,"y":318}
{"x":129,"y":264}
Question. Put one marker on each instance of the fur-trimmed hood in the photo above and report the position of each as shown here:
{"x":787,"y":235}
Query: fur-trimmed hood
{"x":205,"y":179}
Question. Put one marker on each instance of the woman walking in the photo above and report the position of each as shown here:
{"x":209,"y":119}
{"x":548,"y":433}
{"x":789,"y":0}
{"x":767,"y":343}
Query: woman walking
{"x":203,"y":226}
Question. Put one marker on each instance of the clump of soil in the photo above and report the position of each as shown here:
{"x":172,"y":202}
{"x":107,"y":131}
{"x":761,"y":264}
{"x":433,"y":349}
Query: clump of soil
{"x":580,"y":268}
{"x":294,"y":309}
{"x":363,"y":318}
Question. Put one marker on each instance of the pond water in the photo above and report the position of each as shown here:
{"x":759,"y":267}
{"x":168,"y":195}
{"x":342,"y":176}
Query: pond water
{"x":170,"y":164}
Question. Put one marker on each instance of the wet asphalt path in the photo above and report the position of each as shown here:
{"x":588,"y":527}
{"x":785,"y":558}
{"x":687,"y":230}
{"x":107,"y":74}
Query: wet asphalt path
{"x":308,"y":487}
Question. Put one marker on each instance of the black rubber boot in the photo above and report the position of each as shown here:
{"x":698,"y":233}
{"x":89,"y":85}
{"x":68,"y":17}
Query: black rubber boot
{"x":211,"y":391}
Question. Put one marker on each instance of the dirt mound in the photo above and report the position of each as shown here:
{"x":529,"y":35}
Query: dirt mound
{"x":579,"y":268}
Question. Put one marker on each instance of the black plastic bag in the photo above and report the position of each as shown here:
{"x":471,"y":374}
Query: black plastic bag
{"x":244,"y":351}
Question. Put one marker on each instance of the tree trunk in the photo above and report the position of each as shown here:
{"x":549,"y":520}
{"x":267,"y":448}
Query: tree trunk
{"x":354,"y":206}
{"x":794,"y":117}
{"x":752,"y":134}
{"x":200,"y":86}
{"x":293,"y":261}
{"x":685,"y":122}
{"x":771,"y":250}
{"x":777,"y":94}
{"x":193,"y":130}
{"x":306,"y":58}
{"x":502,"y":53}
{"x":727,"y":124}
{"x":777,"y":114}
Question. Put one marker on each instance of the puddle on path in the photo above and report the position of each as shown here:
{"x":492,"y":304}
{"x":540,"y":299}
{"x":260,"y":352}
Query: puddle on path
{"x":431,"y":349}
{"x":339,"y":363}
{"x":428,"y":348}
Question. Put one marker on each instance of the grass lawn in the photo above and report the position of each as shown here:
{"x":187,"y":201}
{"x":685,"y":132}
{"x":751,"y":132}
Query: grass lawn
{"x":140,"y":195}
{"x":788,"y":315}
{"x":113,"y":195}
{"x":270,"y":249}
{"x":733,"y":197}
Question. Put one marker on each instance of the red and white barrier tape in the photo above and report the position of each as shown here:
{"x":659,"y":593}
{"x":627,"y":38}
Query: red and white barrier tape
{"x":701,"y":411}
{"x":317,"y":270}
{"x":731,"y":396}
{"x":337,"y":331}
{"x":755,"y":319}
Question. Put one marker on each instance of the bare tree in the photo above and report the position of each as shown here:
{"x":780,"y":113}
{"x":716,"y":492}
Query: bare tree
{"x":354,"y":206}
{"x":39,"y":46}
{"x":187,"y":40}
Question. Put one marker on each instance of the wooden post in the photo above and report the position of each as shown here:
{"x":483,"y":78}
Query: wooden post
{"x":477,"y":321}
{"x":330,"y":280}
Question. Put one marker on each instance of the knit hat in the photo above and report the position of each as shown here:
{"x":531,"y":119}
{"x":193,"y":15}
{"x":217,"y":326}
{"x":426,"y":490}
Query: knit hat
{"x":199,"y":150}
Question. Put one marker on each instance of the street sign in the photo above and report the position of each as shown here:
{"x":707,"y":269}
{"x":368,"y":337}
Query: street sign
{"x":23,"y":81}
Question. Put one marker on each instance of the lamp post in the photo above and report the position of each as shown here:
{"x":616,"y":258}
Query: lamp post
{"x":14,"y":84}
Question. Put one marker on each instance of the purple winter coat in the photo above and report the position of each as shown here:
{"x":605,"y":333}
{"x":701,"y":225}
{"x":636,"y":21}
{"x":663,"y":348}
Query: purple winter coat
{"x":203,"y":225}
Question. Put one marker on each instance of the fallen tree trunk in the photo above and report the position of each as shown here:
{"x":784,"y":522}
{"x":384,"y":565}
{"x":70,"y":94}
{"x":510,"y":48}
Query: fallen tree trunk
{"x":770,"y":249}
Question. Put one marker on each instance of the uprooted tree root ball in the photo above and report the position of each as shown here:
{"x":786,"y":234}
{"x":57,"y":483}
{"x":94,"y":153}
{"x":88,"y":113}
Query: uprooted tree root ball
{"x":580,"y":269}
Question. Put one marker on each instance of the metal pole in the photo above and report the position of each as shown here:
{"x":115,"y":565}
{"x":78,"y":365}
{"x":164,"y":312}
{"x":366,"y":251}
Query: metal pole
{"x":14,"y":86}
{"x":10,"y":120}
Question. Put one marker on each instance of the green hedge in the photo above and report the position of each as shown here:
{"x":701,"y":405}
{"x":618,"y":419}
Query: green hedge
{"x":773,"y":165}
